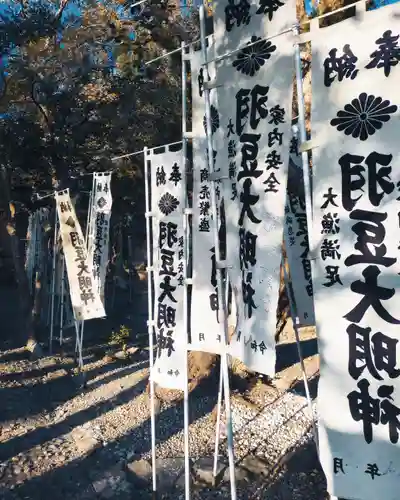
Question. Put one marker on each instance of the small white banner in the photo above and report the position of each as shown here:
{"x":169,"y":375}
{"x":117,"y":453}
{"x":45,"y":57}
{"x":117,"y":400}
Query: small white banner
{"x":296,"y":238}
{"x":85,"y":298}
{"x":167,"y":204}
{"x":206,"y":327}
{"x":99,"y":230}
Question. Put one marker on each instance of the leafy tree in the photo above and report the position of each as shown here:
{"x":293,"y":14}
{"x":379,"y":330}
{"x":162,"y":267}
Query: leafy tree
{"x":75,"y":91}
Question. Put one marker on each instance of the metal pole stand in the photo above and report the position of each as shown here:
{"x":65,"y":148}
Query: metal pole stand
{"x":219,"y":265}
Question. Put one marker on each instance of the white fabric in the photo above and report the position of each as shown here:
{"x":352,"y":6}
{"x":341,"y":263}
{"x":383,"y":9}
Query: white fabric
{"x":254,"y":98}
{"x":85,"y":298}
{"x":167,"y":204}
{"x":355,"y":349}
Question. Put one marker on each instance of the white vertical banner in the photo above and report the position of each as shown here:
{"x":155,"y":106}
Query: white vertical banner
{"x":296,"y":237}
{"x":167,"y":205}
{"x":85,"y":298}
{"x":99,"y":225}
{"x":356,"y":170}
{"x":255,"y":106}
{"x":206,"y":327}
{"x":31,"y":249}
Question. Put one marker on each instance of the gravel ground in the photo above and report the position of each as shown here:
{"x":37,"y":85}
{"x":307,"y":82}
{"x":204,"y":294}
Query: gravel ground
{"x":59,"y":440}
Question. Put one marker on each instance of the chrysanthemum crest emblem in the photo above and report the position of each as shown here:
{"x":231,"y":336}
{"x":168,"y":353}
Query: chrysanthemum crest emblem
{"x":363,"y":116}
{"x":251,"y":59}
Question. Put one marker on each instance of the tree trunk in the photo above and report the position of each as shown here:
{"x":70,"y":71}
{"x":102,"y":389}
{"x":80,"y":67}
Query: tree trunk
{"x":19,"y":267}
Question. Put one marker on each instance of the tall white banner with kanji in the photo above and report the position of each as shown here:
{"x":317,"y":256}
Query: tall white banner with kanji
{"x":206,"y":324}
{"x":356,"y":167}
{"x":99,"y":229}
{"x":85,"y":298}
{"x":167,"y":205}
{"x":254,"y":87}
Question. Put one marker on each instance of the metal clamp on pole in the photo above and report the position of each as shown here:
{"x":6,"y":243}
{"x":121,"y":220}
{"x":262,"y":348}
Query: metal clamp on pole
{"x":150,"y":269}
{"x":222,"y":264}
{"x":188,"y":281}
{"x":212,"y":84}
{"x":149,"y":214}
{"x":217,"y":176}
{"x":187,"y":135}
{"x":307,"y":146}
{"x":188,"y":211}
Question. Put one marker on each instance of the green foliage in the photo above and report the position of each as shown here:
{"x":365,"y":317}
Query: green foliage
{"x":121,"y":337}
{"x":66,"y":112}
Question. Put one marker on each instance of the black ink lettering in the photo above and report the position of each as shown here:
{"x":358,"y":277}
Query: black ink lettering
{"x":389,"y":412}
{"x":214,"y":156}
{"x":330,"y":224}
{"x":330,"y":249}
{"x":204,"y":208}
{"x":161,"y":177}
{"x":364,"y":408}
{"x":275,"y":136}
{"x":369,"y":231}
{"x":214,"y":302}
{"x":65,"y":206}
{"x":165,"y":342}
{"x":372,"y":470}
{"x":373,"y":294}
{"x":234,"y":191}
{"x":374,"y":353}
{"x":247,"y":248}
{"x":168,"y":233}
{"x":167,"y":290}
{"x":330,"y":199}
{"x":76,"y":241}
{"x":232,"y":170}
{"x":277,"y":115}
{"x":269,"y":7}
{"x":204,"y":225}
{"x":342,"y":67}
{"x":338,"y":465}
{"x":248,"y":200}
{"x":167,"y":263}
{"x":301,"y":219}
{"x":200,"y":82}
{"x":271,"y":183}
{"x":237,"y":13}
{"x":166,"y":316}
{"x":273,"y":160}
{"x":258,"y":111}
{"x":204,"y":175}
{"x":248,"y":294}
{"x":332,"y":275}
{"x":387,"y":55}
{"x":83,"y":268}
{"x":231,"y":149}
{"x":306,"y":269}
{"x":204,"y":193}
{"x":87,"y":295}
{"x":249,"y":152}
{"x":351,"y":166}
{"x":231,"y":131}
{"x":262,"y":347}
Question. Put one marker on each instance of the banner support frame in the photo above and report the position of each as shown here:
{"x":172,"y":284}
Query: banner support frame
{"x":220,"y":281}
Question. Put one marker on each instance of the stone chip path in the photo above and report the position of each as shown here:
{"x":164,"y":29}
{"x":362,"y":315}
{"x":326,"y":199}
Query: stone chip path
{"x":61,"y":443}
